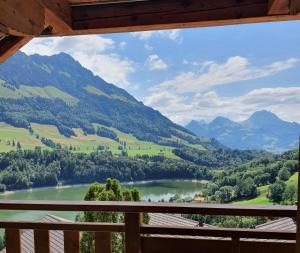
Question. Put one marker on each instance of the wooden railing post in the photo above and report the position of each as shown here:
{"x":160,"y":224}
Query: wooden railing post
{"x":12,"y":240}
{"x":132,"y":232}
{"x":235,"y":244}
{"x":103,"y":242}
{"x":41,"y":241}
{"x":71,"y":241}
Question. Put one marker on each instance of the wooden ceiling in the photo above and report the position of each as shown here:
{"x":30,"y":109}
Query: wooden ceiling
{"x":20,"y":20}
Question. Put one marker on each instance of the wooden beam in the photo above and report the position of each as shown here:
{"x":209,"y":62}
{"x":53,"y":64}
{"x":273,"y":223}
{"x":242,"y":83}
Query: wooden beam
{"x":279,"y":7}
{"x":129,"y":16}
{"x":21,"y":18}
{"x":57,"y":15}
{"x":295,"y":7}
{"x":10,"y":45}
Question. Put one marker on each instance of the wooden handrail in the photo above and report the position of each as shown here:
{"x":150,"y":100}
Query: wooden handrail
{"x":65,"y":226}
{"x":218,"y":232}
{"x":147,"y":207}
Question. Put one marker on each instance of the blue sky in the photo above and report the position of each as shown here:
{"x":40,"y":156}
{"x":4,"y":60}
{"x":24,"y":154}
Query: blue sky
{"x":201,"y":73}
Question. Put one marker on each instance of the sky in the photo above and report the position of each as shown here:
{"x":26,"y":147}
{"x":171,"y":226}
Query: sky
{"x":196,"y":74}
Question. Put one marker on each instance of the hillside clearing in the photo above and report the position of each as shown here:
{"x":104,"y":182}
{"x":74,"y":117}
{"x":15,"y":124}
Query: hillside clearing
{"x":81,"y":142}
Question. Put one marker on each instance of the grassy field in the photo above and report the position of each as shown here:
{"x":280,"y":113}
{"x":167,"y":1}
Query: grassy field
{"x":82,"y":143}
{"x":262,"y":198}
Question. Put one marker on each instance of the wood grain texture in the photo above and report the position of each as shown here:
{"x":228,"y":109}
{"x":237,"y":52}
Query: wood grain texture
{"x":103,"y":242}
{"x":10,"y":45}
{"x":64,"y":226}
{"x":41,"y":241}
{"x":57,"y":15}
{"x":132,"y":233}
{"x":21,"y":18}
{"x":218,"y":232}
{"x":160,"y":244}
{"x":277,"y":7}
{"x":12,"y":240}
{"x":71,"y":241}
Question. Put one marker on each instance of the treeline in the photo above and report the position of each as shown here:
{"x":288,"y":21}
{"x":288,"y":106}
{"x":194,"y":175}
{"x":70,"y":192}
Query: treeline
{"x":242,"y":181}
{"x":24,"y":169}
{"x":220,"y":157}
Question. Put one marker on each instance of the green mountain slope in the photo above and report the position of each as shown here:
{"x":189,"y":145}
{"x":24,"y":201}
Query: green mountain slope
{"x":57,"y":92}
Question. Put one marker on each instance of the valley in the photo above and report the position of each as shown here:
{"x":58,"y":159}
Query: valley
{"x":62,"y":125}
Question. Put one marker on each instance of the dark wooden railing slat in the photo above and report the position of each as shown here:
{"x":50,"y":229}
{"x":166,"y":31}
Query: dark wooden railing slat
{"x":41,"y":241}
{"x":71,"y":241}
{"x":132,"y":232}
{"x":12,"y":240}
{"x":218,"y":232}
{"x":103,"y":242}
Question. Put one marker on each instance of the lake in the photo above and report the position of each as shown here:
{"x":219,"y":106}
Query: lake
{"x":154,"y":190}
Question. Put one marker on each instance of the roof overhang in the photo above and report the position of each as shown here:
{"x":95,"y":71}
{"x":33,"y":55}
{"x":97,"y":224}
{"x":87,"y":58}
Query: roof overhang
{"x":21,"y":20}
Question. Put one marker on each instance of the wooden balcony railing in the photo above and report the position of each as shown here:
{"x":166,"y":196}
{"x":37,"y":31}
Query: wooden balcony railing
{"x":140,"y":238}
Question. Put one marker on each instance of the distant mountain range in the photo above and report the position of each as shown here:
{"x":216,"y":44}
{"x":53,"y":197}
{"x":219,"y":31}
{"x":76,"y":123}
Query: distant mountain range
{"x":263,"y":130}
{"x":56,"y":90}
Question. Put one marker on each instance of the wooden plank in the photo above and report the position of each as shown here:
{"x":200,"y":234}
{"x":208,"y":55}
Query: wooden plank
{"x":295,"y":7}
{"x":12,"y":240}
{"x":21,"y":17}
{"x":57,"y":15}
{"x":145,"y":13}
{"x":279,"y":7}
{"x":179,"y":245}
{"x":168,"y":14}
{"x":132,"y":233}
{"x":10,"y":45}
{"x":41,"y":241}
{"x":218,"y":232}
{"x":64,"y":226}
{"x":71,"y":241}
{"x":148,"y":207}
{"x":103,"y":242}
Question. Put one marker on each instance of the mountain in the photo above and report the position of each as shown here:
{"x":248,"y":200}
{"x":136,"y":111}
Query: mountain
{"x":56,"y":91}
{"x":263,"y":130}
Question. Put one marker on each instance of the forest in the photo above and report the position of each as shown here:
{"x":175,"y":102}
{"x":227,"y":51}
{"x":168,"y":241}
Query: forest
{"x":240,"y":177}
{"x":23,"y":169}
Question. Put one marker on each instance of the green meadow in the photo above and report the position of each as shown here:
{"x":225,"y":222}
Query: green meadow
{"x":10,"y":136}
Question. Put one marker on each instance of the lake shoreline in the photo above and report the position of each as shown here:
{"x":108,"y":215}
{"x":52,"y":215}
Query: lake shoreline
{"x":124,"y":183}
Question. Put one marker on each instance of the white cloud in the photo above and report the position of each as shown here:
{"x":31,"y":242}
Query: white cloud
{"x":181,"y":109}
{"x":156,"y":63}
{"x":123,"y":45}
{"x":191,"y":95}
{"x":92,"y":51}
{"x":211,"y":74}
{"x":169,"y":34}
